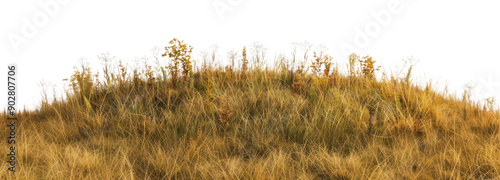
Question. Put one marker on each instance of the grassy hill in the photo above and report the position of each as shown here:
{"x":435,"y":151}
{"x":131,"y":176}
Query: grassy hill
{"x":253,"y":122}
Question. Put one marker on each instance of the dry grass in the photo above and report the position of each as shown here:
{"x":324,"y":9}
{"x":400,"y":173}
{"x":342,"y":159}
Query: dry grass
{"x":255,"y":124}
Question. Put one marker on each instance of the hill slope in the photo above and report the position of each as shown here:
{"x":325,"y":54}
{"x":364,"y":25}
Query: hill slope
{"x":253,"y":123}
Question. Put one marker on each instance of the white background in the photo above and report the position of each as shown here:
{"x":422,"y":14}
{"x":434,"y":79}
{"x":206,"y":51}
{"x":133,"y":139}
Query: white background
{"x":457,"y":42}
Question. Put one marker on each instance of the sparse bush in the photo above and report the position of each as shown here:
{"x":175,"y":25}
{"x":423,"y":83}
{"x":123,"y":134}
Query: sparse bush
{"x":316,"y":64}
{"x":319,"y":62}
{"x":327,"y":61}
{"x":180,"y":54}
{"x":367,"y":65}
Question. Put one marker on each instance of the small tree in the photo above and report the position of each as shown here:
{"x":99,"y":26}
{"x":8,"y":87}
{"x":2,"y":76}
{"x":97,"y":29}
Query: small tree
{"x":327,"y":61}
{"x":180,"y":54}
{"x":367,"y":65}
{"x":316,"y":64}
{"x":319,"y":61}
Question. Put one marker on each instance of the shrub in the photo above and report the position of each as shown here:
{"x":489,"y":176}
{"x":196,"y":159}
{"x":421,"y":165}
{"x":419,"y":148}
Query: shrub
{"x":327,"y":61}
{"x":319,"y":61}
{"x":180,"y":54}
{"x":316,"y":64}
{"x":367,"y":65}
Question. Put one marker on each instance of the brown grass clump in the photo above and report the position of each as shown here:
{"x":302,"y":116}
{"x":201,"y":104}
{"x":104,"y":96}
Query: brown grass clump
{"x":276,"y":123}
